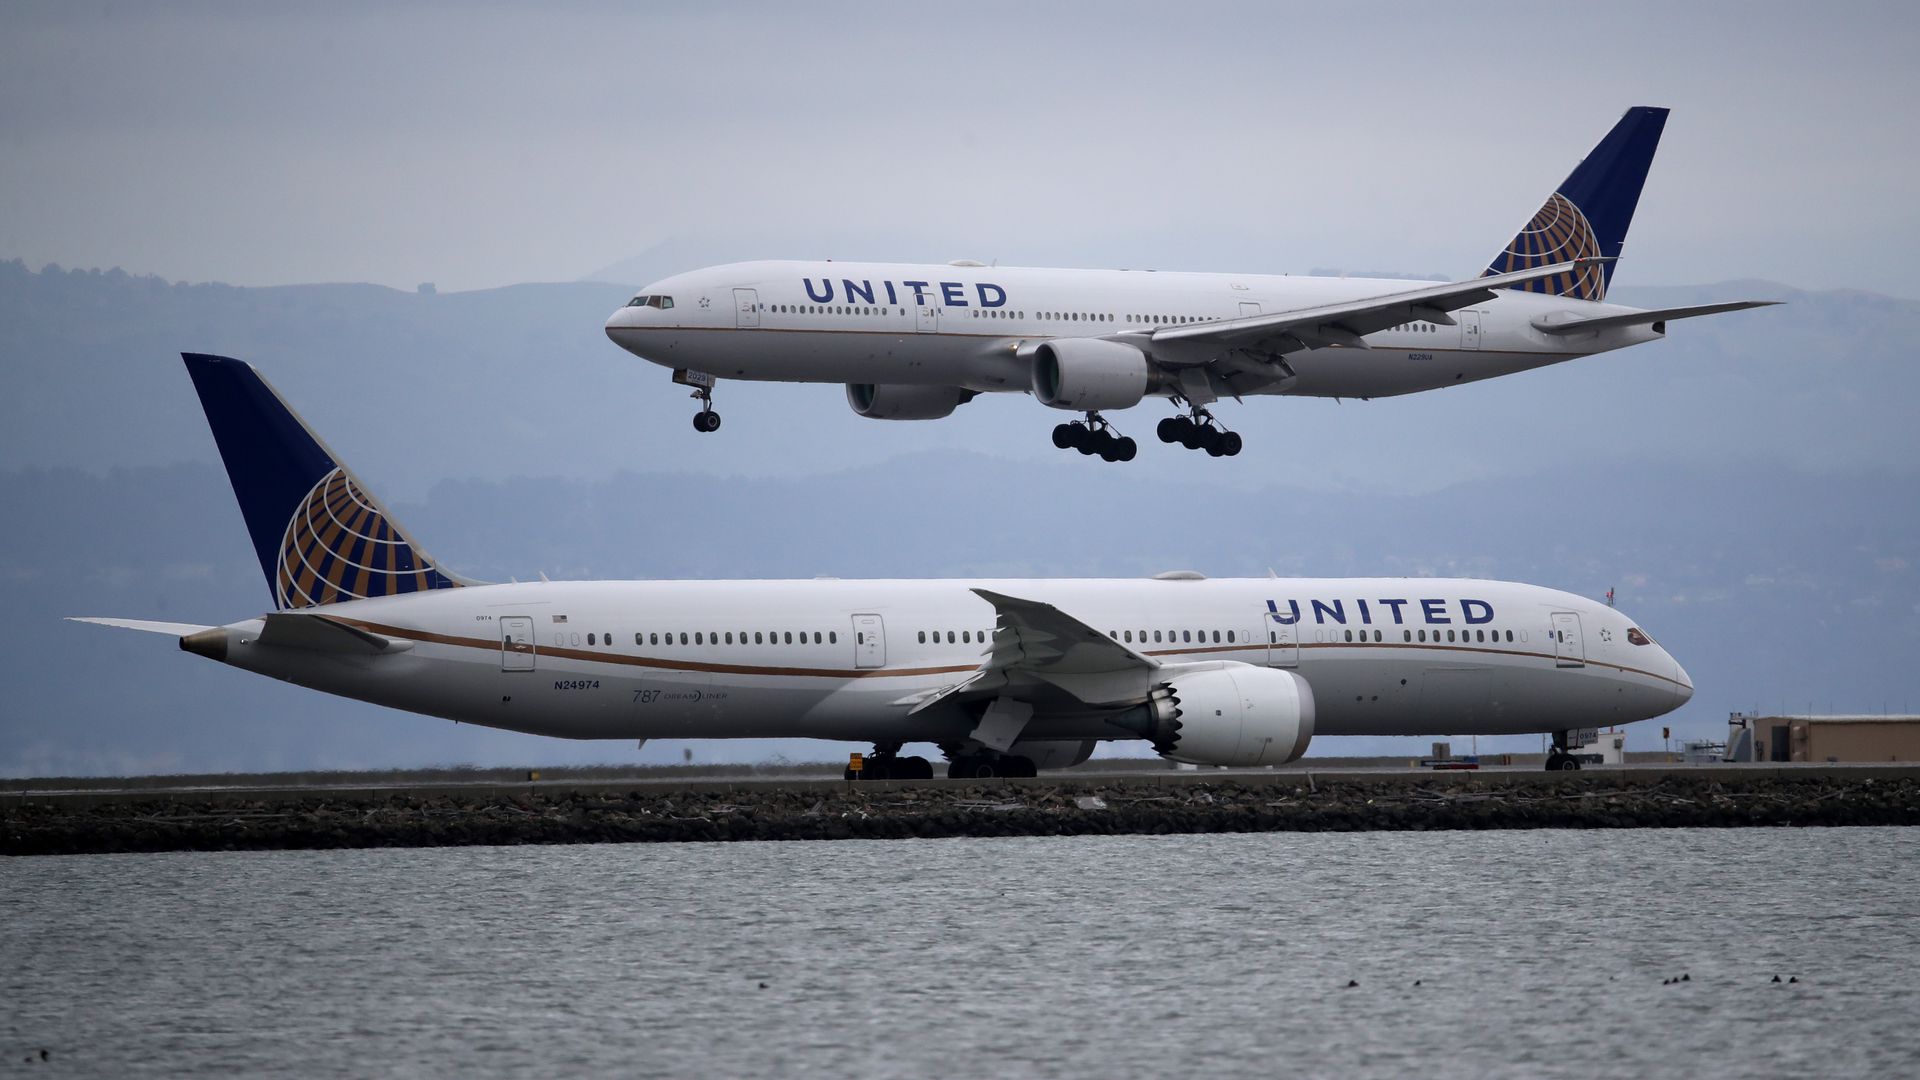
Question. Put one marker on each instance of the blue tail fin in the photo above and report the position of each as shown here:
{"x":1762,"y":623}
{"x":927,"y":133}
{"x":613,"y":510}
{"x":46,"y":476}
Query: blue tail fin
{"x":1590,"y":212}
{"x":320,"y":535}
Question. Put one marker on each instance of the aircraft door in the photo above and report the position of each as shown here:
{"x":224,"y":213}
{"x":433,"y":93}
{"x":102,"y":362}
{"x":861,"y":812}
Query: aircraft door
{"x":869,"y":642}
{"x":516,"y":643}
{"x":1283,"y":643}
{"x":746,"y":308}
{"x":1469,"y":329}
{"x":1248,"y":308}
{"x":926,"y":316}
{"x":1568,"y":650}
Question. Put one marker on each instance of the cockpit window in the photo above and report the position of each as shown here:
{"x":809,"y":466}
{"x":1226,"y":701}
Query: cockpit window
{"x":639,"y":301}
{"x":1635,"y":635}
{"x":661,"y":302}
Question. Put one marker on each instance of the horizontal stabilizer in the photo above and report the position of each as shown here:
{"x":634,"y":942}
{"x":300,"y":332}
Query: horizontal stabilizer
{"x":321,"y":633}
{"x":1576,"y":325}
{"x":173,"y":629}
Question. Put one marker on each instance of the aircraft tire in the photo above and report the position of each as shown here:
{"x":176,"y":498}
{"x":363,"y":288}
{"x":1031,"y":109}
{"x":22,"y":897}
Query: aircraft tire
{"x":1230,"y":443}
{"x":1169,"y":429}
{"x":1125,"y":449}
{"x":914,"y":768}
{"x":1063,"y":436}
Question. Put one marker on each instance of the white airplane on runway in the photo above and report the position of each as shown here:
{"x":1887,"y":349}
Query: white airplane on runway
{"x":915,"y":342}
{"x":1005,"y":676}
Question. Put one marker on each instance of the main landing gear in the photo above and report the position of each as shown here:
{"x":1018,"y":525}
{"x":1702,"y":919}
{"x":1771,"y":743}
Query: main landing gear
{"x":885,"y":763}
{"x":1095,"y":436}
{"x":706,"y":419}
{"x":1199,"y":431}
{"x":1560,"y":759}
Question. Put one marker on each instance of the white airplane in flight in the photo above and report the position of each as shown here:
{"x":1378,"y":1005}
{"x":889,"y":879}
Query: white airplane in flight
{"x":1005,"y":676}
{"x":915,"y":342}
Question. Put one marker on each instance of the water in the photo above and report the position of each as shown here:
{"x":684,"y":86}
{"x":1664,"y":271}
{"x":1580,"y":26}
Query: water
{"x":1538,"y":953}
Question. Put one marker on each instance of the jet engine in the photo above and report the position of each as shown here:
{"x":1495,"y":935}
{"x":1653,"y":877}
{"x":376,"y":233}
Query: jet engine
{"x":1087,"y":373}
{"x":1227,"y":714}
{"x":890,"y":401}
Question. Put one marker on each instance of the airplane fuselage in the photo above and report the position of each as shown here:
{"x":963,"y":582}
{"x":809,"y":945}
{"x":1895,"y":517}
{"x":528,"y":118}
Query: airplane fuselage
{"x":974,"y":327}
{"x":840,"y":659}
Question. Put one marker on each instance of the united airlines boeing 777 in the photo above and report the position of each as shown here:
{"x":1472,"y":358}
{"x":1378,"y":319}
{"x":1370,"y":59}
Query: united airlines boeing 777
{"x":1004,"y":676}
{"x":916,"y":342}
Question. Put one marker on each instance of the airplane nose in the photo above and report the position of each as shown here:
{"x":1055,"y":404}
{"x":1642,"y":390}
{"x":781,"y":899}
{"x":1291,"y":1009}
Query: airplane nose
{"x":1683,"y":692}
{"x":622,"y":326}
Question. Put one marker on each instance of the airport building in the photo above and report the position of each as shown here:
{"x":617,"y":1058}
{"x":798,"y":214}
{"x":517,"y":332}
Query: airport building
{"x":1823,"y":738}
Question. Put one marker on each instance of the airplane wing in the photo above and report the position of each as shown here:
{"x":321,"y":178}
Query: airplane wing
{"x":1641,"y":318}
{"x":1035,"y":642}
{"x":1262,"y":341}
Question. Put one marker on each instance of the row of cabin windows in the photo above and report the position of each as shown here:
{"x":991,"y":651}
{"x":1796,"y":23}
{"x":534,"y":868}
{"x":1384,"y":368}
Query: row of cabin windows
{"x":1468,"y":636}
{"x":1176,"y":637}
{"x":829,"y":309}
{"x":968,"y":637}
{"x":713,"y":637}
{"x":983,"y":313}
{"x":961,"y":637}
{"x":1417,"y":328}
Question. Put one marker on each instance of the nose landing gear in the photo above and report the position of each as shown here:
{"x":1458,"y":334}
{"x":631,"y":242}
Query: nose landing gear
{"x":706,"y":419}
{"x":1199,"y":431}
{"x":1095,"y":436}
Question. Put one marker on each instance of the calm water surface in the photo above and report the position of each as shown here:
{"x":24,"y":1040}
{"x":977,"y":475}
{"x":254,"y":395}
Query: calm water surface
{"x":1537,"y":953}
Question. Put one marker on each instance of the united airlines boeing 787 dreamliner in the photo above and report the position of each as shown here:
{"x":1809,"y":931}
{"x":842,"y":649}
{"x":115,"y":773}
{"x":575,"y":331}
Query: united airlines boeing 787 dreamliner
{"x":916,"y":342}
{"x":1005,"y":676}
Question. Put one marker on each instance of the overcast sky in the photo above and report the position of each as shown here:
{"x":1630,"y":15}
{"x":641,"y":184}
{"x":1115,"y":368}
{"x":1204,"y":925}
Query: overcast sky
{"x":473,"y":147}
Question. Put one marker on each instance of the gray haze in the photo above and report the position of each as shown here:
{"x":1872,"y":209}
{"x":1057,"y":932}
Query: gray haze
{"x":477,"y":146}
{"x":1750,"y":486}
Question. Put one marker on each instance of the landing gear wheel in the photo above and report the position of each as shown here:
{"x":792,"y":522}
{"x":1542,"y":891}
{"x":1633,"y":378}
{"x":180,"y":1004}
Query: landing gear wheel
{"x":706,"y":420}
{"x":1199,"y":431}
{"x":1569,"y":763}
{"x":1095,"y":435}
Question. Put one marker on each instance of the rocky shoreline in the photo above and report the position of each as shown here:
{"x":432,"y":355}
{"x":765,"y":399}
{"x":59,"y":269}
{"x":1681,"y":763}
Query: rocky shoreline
{"x":1043,"y":807}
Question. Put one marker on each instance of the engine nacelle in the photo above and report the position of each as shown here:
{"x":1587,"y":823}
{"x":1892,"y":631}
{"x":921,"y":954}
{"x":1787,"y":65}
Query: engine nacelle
{"x":893,"y":401}
{"x":1231,"y":714}
{"x":1088,"y":373}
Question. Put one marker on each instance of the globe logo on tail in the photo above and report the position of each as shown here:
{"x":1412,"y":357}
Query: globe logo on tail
{"x":339,"y":546}
{"x":1558,"y":233}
